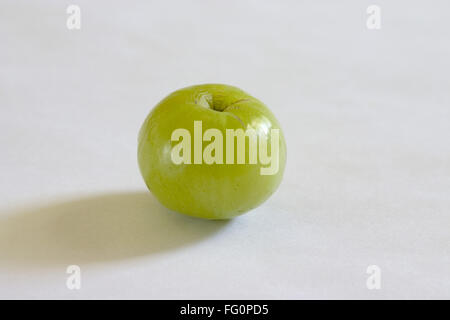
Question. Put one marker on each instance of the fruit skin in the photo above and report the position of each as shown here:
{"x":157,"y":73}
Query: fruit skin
{"x":211,"y":191}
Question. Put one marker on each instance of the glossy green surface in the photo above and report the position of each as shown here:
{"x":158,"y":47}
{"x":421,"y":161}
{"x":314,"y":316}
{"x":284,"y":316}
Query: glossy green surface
{"x":212,"y":191}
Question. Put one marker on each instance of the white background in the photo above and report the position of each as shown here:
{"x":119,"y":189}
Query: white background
{"x":366,"y":114}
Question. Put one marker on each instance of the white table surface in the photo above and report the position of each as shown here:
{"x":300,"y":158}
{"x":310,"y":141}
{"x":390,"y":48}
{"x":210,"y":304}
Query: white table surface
{"x":366,"y":114}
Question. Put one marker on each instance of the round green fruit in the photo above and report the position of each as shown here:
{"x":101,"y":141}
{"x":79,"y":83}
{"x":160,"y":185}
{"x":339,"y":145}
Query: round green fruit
{"x":211,"y":151}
